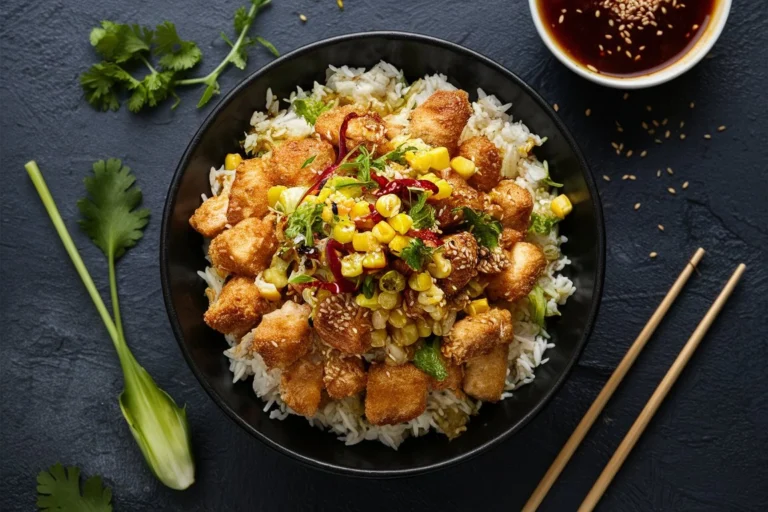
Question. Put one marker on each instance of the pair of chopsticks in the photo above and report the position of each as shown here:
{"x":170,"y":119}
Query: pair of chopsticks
{"x":654,"y":402}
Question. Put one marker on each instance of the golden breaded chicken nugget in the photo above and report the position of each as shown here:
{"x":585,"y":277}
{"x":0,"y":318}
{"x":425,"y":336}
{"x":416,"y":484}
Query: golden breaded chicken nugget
{"x":518,"y":279}
{"x":484,"y":375}
{"x":476,"y":335}
{"x":288,"y":158}
{"x":395,"y":394}
{"x":210,"y":218}
{"x":440,"y":120}
{"x":283,"y":336}
{"x":344,"y":325}
{"x":245,"y":249}
{"x":248,"y":196}
{"x":487,"y":159}
{"x":461,"y":251}
{"x":368,"y":129}
{"x":462,"y":195}
{"x":238,"y":308}
{"x":515,"y":203}
{"x":343,"y":376}
{"x":301,"y":385}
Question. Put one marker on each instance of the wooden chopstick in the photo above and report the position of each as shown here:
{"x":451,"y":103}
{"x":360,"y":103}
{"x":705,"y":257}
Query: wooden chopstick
{"x":605,"y":394}
{"x":658,"y":396}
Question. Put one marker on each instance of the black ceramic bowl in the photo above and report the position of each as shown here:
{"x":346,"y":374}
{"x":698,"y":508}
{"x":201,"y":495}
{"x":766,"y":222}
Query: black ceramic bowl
{"x":181,"y":255}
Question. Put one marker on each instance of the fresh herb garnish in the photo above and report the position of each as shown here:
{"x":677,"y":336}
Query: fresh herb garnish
{"x":122,"y":45}
{"x":538,"y":305}
{"x":58,"y":489}
{"x":368,"y":288}
{"x":310,"y":109}
{"x":305,"y":221}
{"x":542,"y":224}
{"x":416,"y":254}
{"x":396,"y":155}
{"x":423,"y":215}
{"x":427,"y":359}
{"x":113,"y":223}
{"x":308,"y":161}
{"x":548,"y":179}
{"x":485,"y":228}
{"x":301,"y":279}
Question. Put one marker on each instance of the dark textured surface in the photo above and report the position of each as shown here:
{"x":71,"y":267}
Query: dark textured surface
{"x":705,"y":450}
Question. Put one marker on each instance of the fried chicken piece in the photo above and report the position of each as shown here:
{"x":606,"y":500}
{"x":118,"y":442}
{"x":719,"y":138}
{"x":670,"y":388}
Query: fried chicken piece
{"x":462,"y":195}
{"x":509,"y":237}
{"x":477,"y":335}
{"x":245,"y":249}
{"x":440,"y":120}
{"x":210,"y":218}
{"x":283,"y":336}
{"x":517,"y":280}
{"x":395,"y":394}
{"x":288,"y":158}
{"x":492,"y":261}
{"x":344,"y":325}
{"x":301,"y":385}
{"x":248,"y":195}
{"x":452,"y":381}
{"x":484,"y":376}
{"x":238,"y":308}
{"x":368,"y":129}
{"x":461,"y":251}
{"x":487,"y":159}
{"x":515,"y":203}
{"x":343,"y":376}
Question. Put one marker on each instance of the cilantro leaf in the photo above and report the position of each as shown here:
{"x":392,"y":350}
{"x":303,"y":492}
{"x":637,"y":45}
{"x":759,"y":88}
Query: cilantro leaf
{"x":109,"y":215}
{"x":542,"y":224}
{"x":269,"y":46}
{"x":308,"y":161}
{"x":423,"y":215}
{"x":538,"y":305}
{"x":305,"y":220}
{"x":177,"y":55}
{"x":368,"y":287}
{"x":101,"y":82}
{"x":427,"y":359}
{"x":120,"y":43}
{"x":301,"y":279}
{"x":397,"y":155}
{"x":309,"y":109}
{"x":416,"y":254}
{"x":483,"y":227}
{"x":58,"y":489}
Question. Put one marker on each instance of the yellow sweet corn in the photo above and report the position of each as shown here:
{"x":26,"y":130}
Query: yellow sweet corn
{"x":410,"y":334}
{"x":439,"y":158}
{"x":273,"y":194}
{"x":397,"y":318}
{"x":365,"y":242}
{"x":375,"y":259}
{"x":352,"y":265}
{"x":389,"y":300}
{"x":388,"y":205}
{"x":379,"y":338}
{"x":431,"y":296}
{"x":399,"y":243}
{"x":476,"y":307}
{"x":232,"y":160}
{"x":383,"y":232}
{"x":343,"y":231}
{"x":424,"y":327}
{"x":360,"y":209}
{"x":561,"y":206}
{"x":327,"y":214}
{"x":439,"y":267}
{"x":324,"y":194}
{"x":277,"y":278}
{"x":419,"y":162}
{"x":444,"y":189}
{"x":401,"y":223}
{"x":420,"y":282}
{"x":475,"y":288}
{"x":372,"y":303}
{"x":430,"y":176}
{"x":267,"y":290}
{"x":464,"y":167}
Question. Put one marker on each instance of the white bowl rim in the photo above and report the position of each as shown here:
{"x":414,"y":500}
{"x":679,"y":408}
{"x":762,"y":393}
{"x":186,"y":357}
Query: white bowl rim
{"x":690,"y":59}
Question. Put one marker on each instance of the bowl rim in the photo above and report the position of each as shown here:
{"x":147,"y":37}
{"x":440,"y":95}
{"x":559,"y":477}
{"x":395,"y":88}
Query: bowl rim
{"x":657,"y":77}
{"x":170,"y":202}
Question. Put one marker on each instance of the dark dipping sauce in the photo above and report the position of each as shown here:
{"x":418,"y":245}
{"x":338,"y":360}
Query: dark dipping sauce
{"x":626,"y":38}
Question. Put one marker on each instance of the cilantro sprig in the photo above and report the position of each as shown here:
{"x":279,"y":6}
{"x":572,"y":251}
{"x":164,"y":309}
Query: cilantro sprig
{"x":416,"y":254}
{"x":124,"y":46}
{"x":423,"y":215}
{"x":58,"y":489}
{"x":305,"y":221}
{"x":485,"y":228}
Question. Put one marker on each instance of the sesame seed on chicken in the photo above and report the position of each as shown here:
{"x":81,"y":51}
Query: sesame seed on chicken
{"x":344,"y":325}
{"x":484,"y":375}
{"x":440,"y":120}
{"x":245,"y":249}
{"x":289,"y":158}
{"x":246,"y":197}
{"x":343,"y":376}
{"x":461,"y":251}
{"x":487,"y":160}
{"x":368,"y":129}
{"x":210,"y":218}
{"x":518,"y":279}
{"x":283,"y":336}
{"x":301,"y":385}
{"x":515,"y":203}
{"x":477,"y":335}
{"x":238,"y":308}
{"x":395,"y":394}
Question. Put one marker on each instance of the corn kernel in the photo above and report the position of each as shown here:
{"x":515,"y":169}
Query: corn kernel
{"x":401,"y":223}
{"x":410,"y":334}
{"x":352,"y":265}
{"x":464,"y":167}
{"x":274,"y":276}
{"x":267,"y":290}
{"x":420,"y":282}
{"x":439,"y":267}
{"x":439,"y":158}
{"x":375,"y":259}
{"x":364,"y":302}
{"x":431,"y":297}
{"x":561,"y":206}
{"x":424,"y":327}
{"x":323,"y":195}
{"x":383,"y":232}
{"x":419,"y":162}
{"x":379,"y":318}
{"x":232,"y":160}
{"x":327,"y":215}
{"x":476,"y":307}
{"x":365,"y":241}
{"x":379,"y":338}
{"x":360,"y":209}
{"x":345,"y":206}
{"x":343,"y":231}
{"x":397,"y":318}
{"x":389,"y":300}
{"x":444,"y":189}
{"x":388,"y":205}
{"x":430,"y":176}
{"x":399,"y":243}
{"x":392,"y":281}
{"x":475,"y":288}
{"x":273,"y":195}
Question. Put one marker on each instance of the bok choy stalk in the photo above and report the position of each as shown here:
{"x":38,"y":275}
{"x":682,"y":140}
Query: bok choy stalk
{"x":109,"y":217}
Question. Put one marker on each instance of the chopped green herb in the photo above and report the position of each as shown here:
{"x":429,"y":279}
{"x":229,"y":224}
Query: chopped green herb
{"x":58,"y":489}
{"x":428,"y":359}
{"x":542,"y":224}
{"x":308,"y":161}
{"x":301,"y":279}
{"x":538,"y":305}
{"x":416,"y":254}
{"x":423,"y":215}
{"x":485,"y":228}
{"x":397,"y":155}
{"x":305,"y":221}
{"x":548,"y":180}
{"x":310,"y":109}
{"x":369,"y":286}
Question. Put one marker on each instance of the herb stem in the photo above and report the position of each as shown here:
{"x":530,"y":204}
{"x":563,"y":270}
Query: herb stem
{"x":113,"y":296}
{"x":148,"y":64}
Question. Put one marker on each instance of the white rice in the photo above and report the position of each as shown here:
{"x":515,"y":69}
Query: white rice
{"x":384,"y":89}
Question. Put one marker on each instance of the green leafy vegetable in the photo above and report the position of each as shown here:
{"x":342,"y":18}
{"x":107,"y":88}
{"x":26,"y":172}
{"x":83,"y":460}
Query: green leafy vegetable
{"x":310,"y":109}
{"x":423,"y":215}
{"x":542,"y":224}
{"x":548,"y":179}
{"x":397,"y":155}
{"x":301,"y":279}
{"x":114,"y":224}
{"x":538,"y":305}
{"x":122,"y":46}
{"x":485,"y":228}
{"x":58,"y":489}
{"x":308,"y":161}
{"x":369,"y":286}
{"x":427,"y":359}
{"x":305,"y":221}
{"x":416,"y":254}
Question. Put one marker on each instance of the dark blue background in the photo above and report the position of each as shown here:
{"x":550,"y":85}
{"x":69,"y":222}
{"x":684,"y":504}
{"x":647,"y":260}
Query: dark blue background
{"x":706,"y":449}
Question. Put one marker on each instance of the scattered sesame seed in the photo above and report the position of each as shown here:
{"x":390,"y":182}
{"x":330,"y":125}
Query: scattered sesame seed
{"x":637,"y":206}
{"x":626,"y":95}
{"x":632,"y":177}
{"x":625,"y":177}
{"x":671,"y":190}
{"x":561,"y":18}
{"x":302,"y":17}
{"x":721,"y":128}
{"x":644,"y":125}
{"x":653,"y":254}
{"x":655,"y":123}
{"x":597,"y":13}
{"x":661,"y":227}
{"x":643,"y":153}
{"x":707,"y":136}
{"x":592,"y":68}
{"x":606,"y":177}
{"x":629,"y":153}
{"x":614,"y":145}
{"x":691,"y":105}
{"x":670,"y":171}
{"x":664,"y":121}
{"x":588,"y":112}
{"x":657,"y":141}
{"x":556,"y":107}
{"x":685,"y":185}
{"x":658,"y":173}
{"x":682,"y":123}
{"x":682,"y":136}
{"x":667,"y":134}
{"x":648,"y":108}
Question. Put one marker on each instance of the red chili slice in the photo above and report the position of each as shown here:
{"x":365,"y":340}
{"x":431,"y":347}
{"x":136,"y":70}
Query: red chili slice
{"x":402,"y":185}
{"x":334,"y":263}
{"x":326,"y":174}
{"x":429,"y":238}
